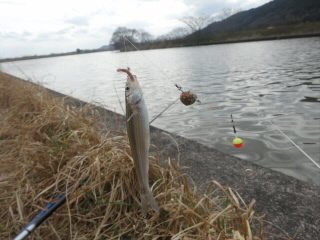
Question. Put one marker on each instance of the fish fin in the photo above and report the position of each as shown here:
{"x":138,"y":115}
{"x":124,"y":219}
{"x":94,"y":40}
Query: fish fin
{"x":146,"y":200}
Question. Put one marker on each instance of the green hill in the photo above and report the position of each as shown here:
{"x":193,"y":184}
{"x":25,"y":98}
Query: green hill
{"x":272,"y":14}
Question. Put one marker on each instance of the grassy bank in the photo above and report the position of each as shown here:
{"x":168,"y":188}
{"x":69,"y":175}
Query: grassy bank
{"x":46,"y":147}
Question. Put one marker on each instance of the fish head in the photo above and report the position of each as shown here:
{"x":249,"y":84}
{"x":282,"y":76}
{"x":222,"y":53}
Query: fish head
{"x":133,"y":90}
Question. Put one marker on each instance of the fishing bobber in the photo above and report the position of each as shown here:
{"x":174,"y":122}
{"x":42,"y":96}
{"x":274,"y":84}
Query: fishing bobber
{"x":188,"y":98}
{"x":238,"y":142}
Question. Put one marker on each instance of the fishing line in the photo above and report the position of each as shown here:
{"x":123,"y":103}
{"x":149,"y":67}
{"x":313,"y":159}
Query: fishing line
{"x":234,"y":128}
{"x":294,"y":144}
{"x":125,"y":49}
{"x":237,"y":142}
{"x":187,"y":98}
{"x":114,"y":87}
{"x":150,"y":60}
{"x":164,"y":110}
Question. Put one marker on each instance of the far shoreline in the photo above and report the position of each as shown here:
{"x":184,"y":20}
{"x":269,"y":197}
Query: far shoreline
{"x":263,"y":39}
{"x":272,"y":38}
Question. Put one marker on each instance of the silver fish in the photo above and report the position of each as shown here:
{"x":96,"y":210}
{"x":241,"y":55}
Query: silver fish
{"x":139,"y":138}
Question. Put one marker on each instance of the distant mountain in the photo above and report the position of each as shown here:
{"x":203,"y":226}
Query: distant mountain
{"x":106,"y":47}
{"x":274,"y":13}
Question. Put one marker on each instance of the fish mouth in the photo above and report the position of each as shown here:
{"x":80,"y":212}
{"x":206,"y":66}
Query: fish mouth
{"x":128,"y":72}
{"x":137,"y":102}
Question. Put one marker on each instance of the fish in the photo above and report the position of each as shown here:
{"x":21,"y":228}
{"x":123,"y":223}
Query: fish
{"x":138,"y":130}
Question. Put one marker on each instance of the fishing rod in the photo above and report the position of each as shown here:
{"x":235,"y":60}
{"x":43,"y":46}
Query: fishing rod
{"x":47,"y":212}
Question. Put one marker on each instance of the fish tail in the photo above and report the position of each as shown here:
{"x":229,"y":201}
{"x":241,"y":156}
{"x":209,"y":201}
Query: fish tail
{"x":147,"y":199}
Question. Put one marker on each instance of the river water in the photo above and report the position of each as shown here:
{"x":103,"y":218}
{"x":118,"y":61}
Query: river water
{"x":259,"y":83}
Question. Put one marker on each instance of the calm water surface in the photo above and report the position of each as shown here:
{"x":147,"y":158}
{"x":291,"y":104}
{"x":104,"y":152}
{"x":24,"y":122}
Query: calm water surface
{"x":257,"y":82}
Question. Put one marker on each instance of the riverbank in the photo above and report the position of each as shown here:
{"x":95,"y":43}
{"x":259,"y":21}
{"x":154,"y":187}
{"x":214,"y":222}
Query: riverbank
{"x":50,"y":55}
{"x":287,"y":202}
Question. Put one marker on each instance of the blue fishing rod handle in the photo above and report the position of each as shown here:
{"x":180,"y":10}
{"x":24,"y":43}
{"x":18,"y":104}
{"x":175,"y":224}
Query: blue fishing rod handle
{"x":44,"y":214}
{"x":47,"y":209}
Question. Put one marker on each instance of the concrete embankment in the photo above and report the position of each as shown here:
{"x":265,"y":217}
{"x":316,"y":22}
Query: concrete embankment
{"x":288,"y":203}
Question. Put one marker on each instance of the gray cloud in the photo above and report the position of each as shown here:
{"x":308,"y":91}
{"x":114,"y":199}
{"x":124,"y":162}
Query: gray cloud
{"x":10,"y":35}
{"x":79,"y":32}
{"x":63,"y":34}
{"x":108,"y":28}
{"x":209,"y":7}
{"x":26,"y":33}
{"x":206,"y":7}
{"x":24,"y":36}
{"x":65,"y":30}
{"x":79,"y":21}
{"x":47,"y":36}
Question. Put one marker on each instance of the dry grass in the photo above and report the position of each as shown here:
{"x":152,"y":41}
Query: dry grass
{"x":46,"y":146}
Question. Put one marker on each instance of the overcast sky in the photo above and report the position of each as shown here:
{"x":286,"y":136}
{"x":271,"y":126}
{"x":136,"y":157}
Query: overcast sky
{"x":29,"y":27}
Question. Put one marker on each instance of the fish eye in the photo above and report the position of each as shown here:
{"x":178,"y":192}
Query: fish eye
{"x":127,"y":88}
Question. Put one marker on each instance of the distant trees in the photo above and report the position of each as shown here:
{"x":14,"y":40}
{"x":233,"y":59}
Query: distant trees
{"x":145,"y":37}
{"x":180,"y":32}
{"x":134,"y":36}
{"x":196,"y":24}
{"x":228,"y":12}
{"x":127,"y":37}
{"x":193,"y":28}
{"x":175,"y":34}
{"x":121,"y":34}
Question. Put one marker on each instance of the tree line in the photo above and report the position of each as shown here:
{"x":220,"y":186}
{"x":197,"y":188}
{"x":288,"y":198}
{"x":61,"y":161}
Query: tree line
{"x":124,"y":38}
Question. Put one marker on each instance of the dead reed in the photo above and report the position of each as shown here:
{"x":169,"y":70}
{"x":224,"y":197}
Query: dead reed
{"x":46,"y":147}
